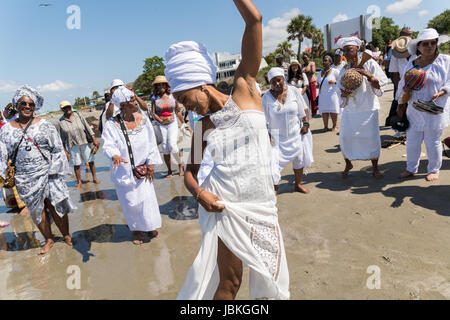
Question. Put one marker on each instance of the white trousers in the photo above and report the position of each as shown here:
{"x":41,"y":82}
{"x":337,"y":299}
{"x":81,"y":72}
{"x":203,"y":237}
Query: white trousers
{"x":432,"y":138}
{"x":169,"y":134}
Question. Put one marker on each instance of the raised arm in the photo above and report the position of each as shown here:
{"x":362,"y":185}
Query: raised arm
{"x":252,"y":39}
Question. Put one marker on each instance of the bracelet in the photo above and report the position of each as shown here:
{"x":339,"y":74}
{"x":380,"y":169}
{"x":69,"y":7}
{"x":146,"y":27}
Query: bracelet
{"x":306,"y":124}
{"x":198,"y":194}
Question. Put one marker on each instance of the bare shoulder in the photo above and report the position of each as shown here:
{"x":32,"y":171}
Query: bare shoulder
{"x":246,"y":95}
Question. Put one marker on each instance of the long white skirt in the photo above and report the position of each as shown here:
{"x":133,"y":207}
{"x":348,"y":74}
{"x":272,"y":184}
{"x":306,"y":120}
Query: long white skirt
{"x":140,"y":206}
{"x":299,"y":152}
{"x":360,"y":135}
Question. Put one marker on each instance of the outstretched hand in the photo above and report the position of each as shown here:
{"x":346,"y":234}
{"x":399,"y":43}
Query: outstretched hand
{"x":117,"y":161}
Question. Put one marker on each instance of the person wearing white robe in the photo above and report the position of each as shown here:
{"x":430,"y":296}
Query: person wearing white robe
{"x":238,"y":213}
{"x":292,"y":141}
{"x":360,"y":134}
{"x":137,"y":197}
{"x":329,"y":104}
{"x":426,"y":127}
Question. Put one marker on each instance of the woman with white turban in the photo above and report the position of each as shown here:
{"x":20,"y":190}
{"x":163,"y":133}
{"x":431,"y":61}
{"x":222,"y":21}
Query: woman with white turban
{"x":287,"y":120}
{"x":360,"y":134}
{"x":136,"y":193}
{"x":237,"y":213}
{"x":40,"y":163}
{"x":427,"y":127}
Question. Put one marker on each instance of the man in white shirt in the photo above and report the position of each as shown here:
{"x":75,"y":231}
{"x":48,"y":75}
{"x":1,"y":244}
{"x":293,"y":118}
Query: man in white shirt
{"x":338,"y":62}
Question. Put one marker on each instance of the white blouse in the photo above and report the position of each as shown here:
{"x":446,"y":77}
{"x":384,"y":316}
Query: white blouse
{"x":438,"y":78}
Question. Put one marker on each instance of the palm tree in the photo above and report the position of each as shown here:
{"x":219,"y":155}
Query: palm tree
{"x":285,"y":48}
{"x":298,"y":29}
{"x":317,"y":40}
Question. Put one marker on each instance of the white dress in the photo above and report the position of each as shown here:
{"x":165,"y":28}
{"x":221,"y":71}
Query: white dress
{"x":241,"y":178}
{"x":137,"y":198}
{"x":329,"y":93}
{"x":284,"y":124}
{"x":360,"y":134}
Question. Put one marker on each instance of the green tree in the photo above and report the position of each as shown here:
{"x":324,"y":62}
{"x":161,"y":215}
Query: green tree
{"x":96,"y":95}
{"x":270,"y":59}
{"x":153,"y":67}
{"x":299,"y":28}
{"x":441,"y":22}
{"x":387,"y":31}
{"x":285,"y":48}
{"x":317,"y":42}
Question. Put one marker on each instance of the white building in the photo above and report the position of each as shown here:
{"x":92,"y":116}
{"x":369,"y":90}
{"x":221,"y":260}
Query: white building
{"x":227,"y":65}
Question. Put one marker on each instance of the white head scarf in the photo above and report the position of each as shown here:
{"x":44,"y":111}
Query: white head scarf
{"x":275,"y":72}
{"x":121,"y":94}
{"x":349,"y":41}
{"x":33,"y":94}
{"x":188,"y":65}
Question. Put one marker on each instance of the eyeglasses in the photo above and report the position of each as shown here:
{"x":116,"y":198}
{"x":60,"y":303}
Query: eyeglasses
{"x":428,"y":43}
{"x":24,"y":104}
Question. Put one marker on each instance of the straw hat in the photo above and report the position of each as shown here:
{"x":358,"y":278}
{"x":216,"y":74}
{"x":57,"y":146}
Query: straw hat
{"x":160,"y":79}
{"x":64,"y":104}
{"x":295,"y":61}
{"x":400,"y":47}
{"x":426,"y":34}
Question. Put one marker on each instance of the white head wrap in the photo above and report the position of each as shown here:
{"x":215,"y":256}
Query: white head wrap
{"x":33,"y":94}
{"x":188,"y":65}
{"x":349,"y":41}
{"x":121,"y":94}
{"x":275,"y":72}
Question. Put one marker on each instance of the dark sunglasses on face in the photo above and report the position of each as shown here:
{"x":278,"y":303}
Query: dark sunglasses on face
{"x":428,"y":43}
{"x":24,"y":104}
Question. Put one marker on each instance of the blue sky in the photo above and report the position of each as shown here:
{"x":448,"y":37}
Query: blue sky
{"x":116,"y":36}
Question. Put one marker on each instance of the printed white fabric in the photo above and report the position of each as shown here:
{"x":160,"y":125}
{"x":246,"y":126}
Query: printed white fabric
{"x":241,"y":178}
{"x":137,"y":198}
{"x":360,"y":134}
{"x":438,"y":78}
{"x":121,"y":94}
{"x":329,"y":94}
{"x":33,"y":94}
{"x":284,"y":125}
{"x":188,"y":66}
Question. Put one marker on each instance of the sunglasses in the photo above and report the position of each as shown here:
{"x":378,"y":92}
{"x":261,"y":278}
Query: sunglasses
{"x":428,"y":43}
{"x":24,"y":104}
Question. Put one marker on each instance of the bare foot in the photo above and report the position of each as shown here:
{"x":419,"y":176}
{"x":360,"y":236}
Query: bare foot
{"x":24,"y":212}
{"x":335,"y":129}
{"x":169,"y":175}
{"x":68,"y":240}
{"x":377,"y":174}
{"x":137,"y":238}
{"x":432,"y":177}
{"x":154,"y":234}
{"x":47,"y":246}
{"x":301,"y":189}
{"x":348,"y":167}
{"x":181,"y":171}
{"x":96,"y":181}
{"x":406,"y":174}
{"x":325,"y":130}
{"x":78,"y":187}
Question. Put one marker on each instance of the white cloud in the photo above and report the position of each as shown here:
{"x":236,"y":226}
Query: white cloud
{"x":403,"y":6}
{"x":8,"y":86}
{"x":275,"y":32}
{"x":58,"y":85}
{"x":340,"y":17}
{"x":423,"y":13}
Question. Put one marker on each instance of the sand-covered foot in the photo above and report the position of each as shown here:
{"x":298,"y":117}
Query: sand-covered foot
{"x":432,"y":177}
{"x":301,"y":189}
{"x":406,"y":174}
{"x":347,"y":169}
{"x":47,"y":246}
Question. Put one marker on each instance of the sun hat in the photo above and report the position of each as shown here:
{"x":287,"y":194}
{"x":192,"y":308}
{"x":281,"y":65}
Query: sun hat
{"x":160,"y":79}
{"x":295,"y":61}
{"x":117,"y":83}
{"x":426,"y":34}
{"x":64,"y":104}
{"x":400,"y":47}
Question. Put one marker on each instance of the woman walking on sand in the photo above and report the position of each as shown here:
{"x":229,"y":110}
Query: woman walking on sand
{"x":130,"y":144}
{"x":37,"y":152}
{"x":238,"y":213}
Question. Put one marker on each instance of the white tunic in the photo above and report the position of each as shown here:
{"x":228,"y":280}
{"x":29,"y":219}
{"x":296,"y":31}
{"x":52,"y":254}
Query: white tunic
{"x":284,"y":124}
{"x":329,"y":93}
{"x":241,"y":178}
{"x":137,"y":198}
{"x":360,"y":134}
{"x":438,"y":78}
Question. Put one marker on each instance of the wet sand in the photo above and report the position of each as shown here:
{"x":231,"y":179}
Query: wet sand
{"x":331,"y":236}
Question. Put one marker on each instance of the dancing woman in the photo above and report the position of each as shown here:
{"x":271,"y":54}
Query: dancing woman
{"x":238,"y":213}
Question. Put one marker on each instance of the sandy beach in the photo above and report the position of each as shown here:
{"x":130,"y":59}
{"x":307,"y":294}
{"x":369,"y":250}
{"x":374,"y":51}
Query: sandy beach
{"x":332,"y":236}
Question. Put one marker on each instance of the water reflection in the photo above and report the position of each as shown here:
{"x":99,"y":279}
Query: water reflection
{"x":180,"y":208}
{"x":99,"y":195}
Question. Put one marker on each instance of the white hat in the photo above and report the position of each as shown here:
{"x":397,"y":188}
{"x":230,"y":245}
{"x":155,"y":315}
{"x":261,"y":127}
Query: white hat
{"x":117,"y":83}
{"x":349,"y":41}
{"x":426,"y":34}
{"x":338,"y":52}
{"x":275,"y":72}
